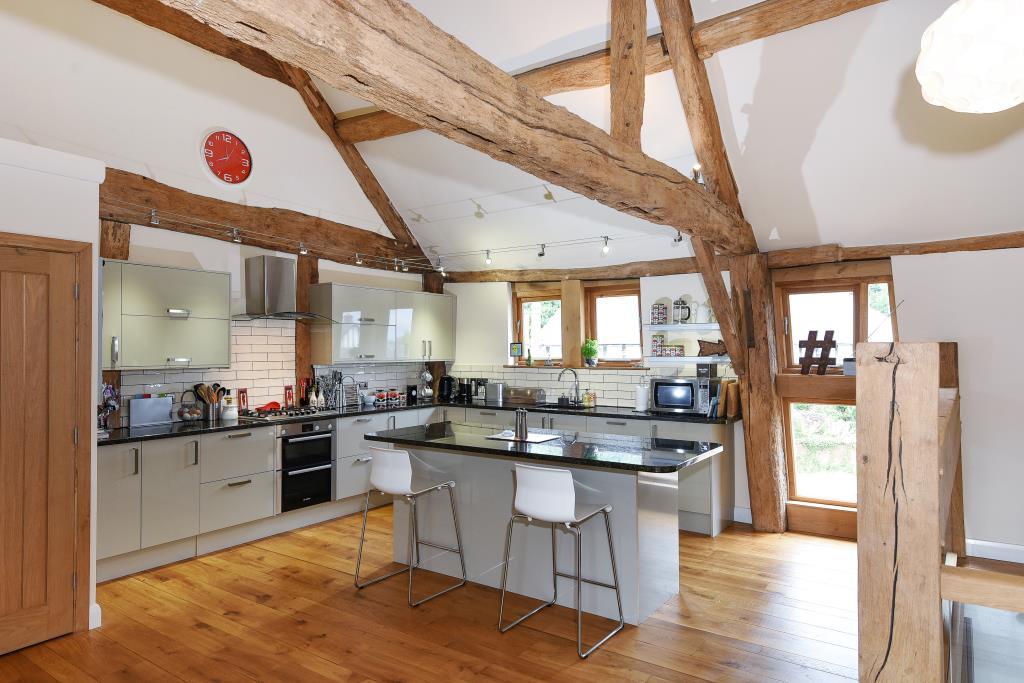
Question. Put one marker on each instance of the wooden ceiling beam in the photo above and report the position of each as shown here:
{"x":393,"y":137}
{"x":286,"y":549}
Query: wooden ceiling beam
{"x":629,"y":32}
{"x":766,"y":19}
{"x":636,"y":269}
{"x":130,"y":198}
{"x":390,"y":54}
{"x":324,"y":117}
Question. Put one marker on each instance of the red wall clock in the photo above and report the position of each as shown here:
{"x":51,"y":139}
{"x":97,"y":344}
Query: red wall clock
{"x":227,"y":157}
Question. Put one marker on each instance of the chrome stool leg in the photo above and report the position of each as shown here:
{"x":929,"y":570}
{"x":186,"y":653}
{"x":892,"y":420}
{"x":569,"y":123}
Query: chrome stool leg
{"x":579,"y":585}
{"x":359,"y":557}
{"x":415,"y":541}
{"x":504,"y":579}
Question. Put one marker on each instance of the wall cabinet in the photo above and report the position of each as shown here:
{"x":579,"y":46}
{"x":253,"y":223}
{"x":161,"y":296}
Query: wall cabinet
{"x":157,"y":317}
{"x":374,"y":325}
{"x":170,"y":490}
{"x":118,"y":499}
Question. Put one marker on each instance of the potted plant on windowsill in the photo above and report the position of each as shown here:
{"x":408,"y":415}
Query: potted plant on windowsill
{"x":589,"y":350}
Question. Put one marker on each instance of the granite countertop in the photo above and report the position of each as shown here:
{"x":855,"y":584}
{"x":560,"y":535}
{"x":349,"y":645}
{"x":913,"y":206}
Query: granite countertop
{"x":636,"y":454}
{"x":127,"y":434}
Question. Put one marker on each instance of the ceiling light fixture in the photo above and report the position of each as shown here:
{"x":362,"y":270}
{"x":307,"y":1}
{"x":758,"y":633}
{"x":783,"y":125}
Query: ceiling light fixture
{"x":405,"y":267}
{"x":396,"y":265}
{"x":697,"y":174}
{"x":236,"y":235}
{"x":153,"y":219}
{"x":417,"y":217}
{"x":487,"y":258}
{"x":679,"y":237}
{"x":479,"y":213}
{"x":548,"y":194}
{"x":605,"y":249}
{"x":303,"y":251}
{"x":543,"y":250}
{"x":971,"y":60}
{"x":359,"y":259}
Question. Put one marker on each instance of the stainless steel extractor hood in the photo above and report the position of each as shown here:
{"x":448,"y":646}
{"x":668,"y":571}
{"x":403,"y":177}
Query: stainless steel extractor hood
{"x":270,"y":289}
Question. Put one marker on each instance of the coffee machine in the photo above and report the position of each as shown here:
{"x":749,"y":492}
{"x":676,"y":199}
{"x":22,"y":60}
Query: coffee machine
{"x":448,"y":390}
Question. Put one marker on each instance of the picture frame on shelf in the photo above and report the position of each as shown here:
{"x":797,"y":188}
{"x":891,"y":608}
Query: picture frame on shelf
{"x":515,"y":349}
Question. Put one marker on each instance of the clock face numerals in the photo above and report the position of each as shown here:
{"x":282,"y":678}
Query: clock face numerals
{"x":227,"y":157}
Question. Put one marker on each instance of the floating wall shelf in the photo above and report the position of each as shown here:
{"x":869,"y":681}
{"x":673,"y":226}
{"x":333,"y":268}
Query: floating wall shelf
{"x":684,"y":327}
{"x":676,"y":360}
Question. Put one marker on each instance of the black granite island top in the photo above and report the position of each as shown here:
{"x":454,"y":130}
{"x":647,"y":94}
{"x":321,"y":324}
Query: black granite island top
{"x":636,"y":454}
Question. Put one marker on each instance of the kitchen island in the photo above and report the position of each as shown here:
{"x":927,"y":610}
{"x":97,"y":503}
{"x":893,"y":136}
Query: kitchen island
{"x":638,"y":476}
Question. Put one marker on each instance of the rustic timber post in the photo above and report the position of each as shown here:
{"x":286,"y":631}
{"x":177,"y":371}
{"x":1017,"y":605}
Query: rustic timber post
{"x":900,"y":531}
{"x":307,"y":272}
{"x":572,"y":323}
{"x":629,"y":41}
{"x":763,"y":435}
{"x":115,"y":239}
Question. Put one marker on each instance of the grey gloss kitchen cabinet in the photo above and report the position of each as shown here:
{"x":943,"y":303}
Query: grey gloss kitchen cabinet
{"x":118,"y":499}
{"x":158,"y":317}
{"x":424,"y":326}
{"x":170,"y":490}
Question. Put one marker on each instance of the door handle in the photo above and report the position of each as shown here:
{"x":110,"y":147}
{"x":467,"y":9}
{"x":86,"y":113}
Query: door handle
{"x":178,"y":312}
{"x":315,"y":437}
{"x":135,"y":456}
{"x":366,"y":459}
{"x":239,"y":483}
{"x":115,"y":350}
{"x":195,"y":453}
{"x":310,"y":469}
{"x":239,"y":436}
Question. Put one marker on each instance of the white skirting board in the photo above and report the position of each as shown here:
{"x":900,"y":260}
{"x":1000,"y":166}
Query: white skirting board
{"x":742,"y":515}
{"x":991,"y":550}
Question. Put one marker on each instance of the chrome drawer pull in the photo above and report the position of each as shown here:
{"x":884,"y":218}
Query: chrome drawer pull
{"x":366,"y":459}
{"x":486,"y":413}
{"x":239,"y":483}
{"x":179,"y":360}
{"x":135,"y":453}
{"x":297,"y":439}
{"x":239,"y":436}
{"x":364,"y":419}
{"x":178,"y":312}
{"x":367,"y":355}
{"x":617,"y":424}
{"x":115,"y":350}
{"x":310,"y":469}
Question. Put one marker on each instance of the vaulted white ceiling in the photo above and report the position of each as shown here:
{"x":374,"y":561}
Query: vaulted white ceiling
{"x":829,"y":138}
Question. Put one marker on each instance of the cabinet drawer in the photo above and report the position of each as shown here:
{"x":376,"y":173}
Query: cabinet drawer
{"x":618,"y":425}
{"x":350,"y":430}
{"x":235,"y":501}
{"x":152,"y":290}
{"x":491,"y":416}
{"x":150,"y":342}
{"x":233,"y":454}
{"x":352,"y":476}
{"x":567,"y":423}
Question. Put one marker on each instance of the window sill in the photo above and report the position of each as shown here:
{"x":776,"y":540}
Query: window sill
{"x":821,"y":519}
{"x":559,"y":366}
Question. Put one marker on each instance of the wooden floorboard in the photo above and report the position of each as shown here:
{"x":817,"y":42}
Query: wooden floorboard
{"x":752,"y":607}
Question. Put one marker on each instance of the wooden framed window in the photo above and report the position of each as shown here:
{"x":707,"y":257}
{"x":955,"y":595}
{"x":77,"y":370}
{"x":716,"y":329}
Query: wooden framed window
{"x":537,"y":320}
{"x":821,"y":449}
{"x":612,"y":317}
{"x":855,"y":300}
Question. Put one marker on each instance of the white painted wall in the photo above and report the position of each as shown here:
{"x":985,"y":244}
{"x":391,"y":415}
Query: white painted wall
{"x":52,"y":194}
{"x":972,"y":298}
{"x":483,"y":315}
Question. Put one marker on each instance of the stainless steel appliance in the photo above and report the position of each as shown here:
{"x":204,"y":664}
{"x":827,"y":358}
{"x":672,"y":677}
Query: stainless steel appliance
{"x":304,"y":464}
{"x":143,"y":412}
{"x":494,"y":392}
{"x":448,"y":389}
{"x":682,"y":394}
{"x":275,"y":414}
{"x":270,"y":288}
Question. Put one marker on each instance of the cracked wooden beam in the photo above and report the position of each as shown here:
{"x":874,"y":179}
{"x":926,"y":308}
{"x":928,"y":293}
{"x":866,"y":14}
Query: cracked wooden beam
{"x":386,"y":52}
{"x":629,"y":31}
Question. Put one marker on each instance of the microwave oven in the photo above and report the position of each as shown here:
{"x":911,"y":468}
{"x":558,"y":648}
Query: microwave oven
{"x":682,"y":394}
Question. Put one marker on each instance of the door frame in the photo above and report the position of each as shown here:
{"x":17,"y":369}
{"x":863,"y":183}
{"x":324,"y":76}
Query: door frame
{"x":83,"y":387}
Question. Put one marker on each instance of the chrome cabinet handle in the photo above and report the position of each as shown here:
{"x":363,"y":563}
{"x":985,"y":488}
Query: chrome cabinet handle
{"x":239,"y":483}
{"x":430,"y":348}
{"x":179,"y":360}
{"x":367,"y":320}
{"x":367,"y":355}
{"x":613,"y":422}
{"x":178,"y":312}
{"x":484,"y":412}
{"x":310,"y":469}
{"x":392,"y":422}
{"x":654,"y":429}
{"x":195,"y":453}
{"x":115,"y":350}
{"x":239,"y":436}
{"x":135,"y":456}
{"x":297,"y":439}
{"x":424,"y":344}
{"x":366,"y":459}
{"x":364,"y":419}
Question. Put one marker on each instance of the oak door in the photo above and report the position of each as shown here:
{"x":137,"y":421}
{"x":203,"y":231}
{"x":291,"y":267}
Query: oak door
{"x":38,"y":380}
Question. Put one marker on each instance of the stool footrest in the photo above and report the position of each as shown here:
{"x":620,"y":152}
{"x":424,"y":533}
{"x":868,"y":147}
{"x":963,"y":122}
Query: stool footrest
{"x":592,"y":582}
{"x":439,"y":547}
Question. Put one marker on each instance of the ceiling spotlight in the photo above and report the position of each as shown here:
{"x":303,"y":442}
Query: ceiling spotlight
{"x":303,"y":251}
{"x":479,"y":213}
{"x":678,"y":238}
{"x":548,"y":195}
{"x":405,"y":267}
{"x":543,"y":250}
{"x":396,"y":265}
{"x":153,"y":220}
{"x":236,"y":235}
{"x":417,"y":217}
{"x":605,"y":249}
{"x":359,"y":259}
{"x":697,"y":174}
{"x":487,"y":258}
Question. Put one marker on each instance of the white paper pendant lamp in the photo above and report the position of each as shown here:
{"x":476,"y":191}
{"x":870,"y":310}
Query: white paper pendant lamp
{"x":972,"y":57}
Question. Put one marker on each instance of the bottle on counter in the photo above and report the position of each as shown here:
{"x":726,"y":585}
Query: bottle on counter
{"x":588,"y":399}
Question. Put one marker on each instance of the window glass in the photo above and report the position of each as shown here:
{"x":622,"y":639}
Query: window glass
{"x":822,"y":311}
{"x":879,"y":313}
{"x":618,"y":327}
{"x":824,"y":452}
{"x":542,"y":329}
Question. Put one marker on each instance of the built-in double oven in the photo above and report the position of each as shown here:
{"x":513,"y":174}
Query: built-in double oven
{"x":305,"y":464}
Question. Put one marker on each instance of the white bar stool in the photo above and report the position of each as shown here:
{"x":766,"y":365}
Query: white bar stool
{"x":391,"y":473}
{"x":547,"y":494}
